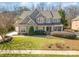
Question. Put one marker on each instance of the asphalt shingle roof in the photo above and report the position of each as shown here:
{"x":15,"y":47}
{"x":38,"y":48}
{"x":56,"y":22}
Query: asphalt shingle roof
{"x":27,"y":15}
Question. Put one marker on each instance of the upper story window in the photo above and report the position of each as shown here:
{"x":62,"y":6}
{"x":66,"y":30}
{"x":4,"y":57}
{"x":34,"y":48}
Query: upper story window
{"x":56,"y":20}
{"x":48,"y":20}
{"x":40,"y":20}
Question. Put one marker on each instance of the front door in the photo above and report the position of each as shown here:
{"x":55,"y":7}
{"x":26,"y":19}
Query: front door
{"x":48,"y":29}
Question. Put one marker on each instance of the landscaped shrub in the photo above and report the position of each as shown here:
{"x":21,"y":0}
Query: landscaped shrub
{"x":50,"y":46}
{"x":31,"y":31}
{"x":67,"y":35}
{"x":39,"y":32}
{"x":76,"y":30}
{"x":67,"y":47}
{"x":59,"y":45}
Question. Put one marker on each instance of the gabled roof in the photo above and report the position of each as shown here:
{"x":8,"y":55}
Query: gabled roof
{"x":55,"y":14}
{"x":34,"y":14}
{"x":25,"y":20}
{"x":46,"y":14}
{"x":27,"y":15}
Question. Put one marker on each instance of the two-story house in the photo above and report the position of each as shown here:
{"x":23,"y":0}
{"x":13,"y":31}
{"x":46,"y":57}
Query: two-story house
{"x":48,"y":21}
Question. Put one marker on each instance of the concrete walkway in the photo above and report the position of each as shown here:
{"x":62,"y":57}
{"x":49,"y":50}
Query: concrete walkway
{"x":39,"y":52}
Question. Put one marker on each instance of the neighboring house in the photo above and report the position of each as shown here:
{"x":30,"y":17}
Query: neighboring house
{"x":75,"y":23}
{"x":48,"y":21}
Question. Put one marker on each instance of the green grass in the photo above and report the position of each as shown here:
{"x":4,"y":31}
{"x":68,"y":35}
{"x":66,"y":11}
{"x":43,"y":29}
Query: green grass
{"x":29,"y":42}
{"x":36,"y":55}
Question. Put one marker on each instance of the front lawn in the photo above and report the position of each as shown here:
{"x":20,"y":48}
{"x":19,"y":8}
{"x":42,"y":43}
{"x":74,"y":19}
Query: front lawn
{"x":40,"y":43}
{"x":29,"y":42}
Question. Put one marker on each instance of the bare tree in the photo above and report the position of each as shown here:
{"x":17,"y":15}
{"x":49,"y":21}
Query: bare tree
{"x":71,"y":12}
{"x":41,"y":6}
{"x":6,"y":23}
{"x":3,"y":26}
{"x":33,"y":7}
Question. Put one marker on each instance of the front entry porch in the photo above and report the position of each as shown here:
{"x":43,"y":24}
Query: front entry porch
{"x":49,"y":29}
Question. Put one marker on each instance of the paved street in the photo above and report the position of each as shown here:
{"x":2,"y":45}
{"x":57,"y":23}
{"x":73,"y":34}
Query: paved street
{"x":39,"y":52}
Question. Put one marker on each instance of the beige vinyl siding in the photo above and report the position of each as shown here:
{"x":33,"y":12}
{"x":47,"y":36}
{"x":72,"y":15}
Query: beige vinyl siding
{"x":75,"y":25}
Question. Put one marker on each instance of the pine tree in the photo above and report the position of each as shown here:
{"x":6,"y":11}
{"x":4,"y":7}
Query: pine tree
{"x":63,"y":20}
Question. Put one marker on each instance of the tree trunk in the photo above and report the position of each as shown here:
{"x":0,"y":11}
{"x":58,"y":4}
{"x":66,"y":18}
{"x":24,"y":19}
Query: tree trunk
{"x":3,"y":37}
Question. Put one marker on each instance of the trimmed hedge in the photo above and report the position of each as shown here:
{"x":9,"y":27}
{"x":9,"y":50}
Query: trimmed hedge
{"x":76,"y":30}
{"x":68,"y":35}
{"x":39,"y":32}
{"x":31,"y":30}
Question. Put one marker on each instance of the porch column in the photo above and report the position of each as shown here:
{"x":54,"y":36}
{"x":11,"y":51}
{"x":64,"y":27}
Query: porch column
{"x":45,"y":28}
{"x":19,"y":31}
{"x":51,"y":28}
{"x":61,"y":28}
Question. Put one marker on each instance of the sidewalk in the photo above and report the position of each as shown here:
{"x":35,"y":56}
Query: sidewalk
{"x":39,"y":52}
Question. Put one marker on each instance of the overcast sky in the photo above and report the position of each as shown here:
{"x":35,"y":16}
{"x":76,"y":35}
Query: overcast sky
{"x":8,"y":5}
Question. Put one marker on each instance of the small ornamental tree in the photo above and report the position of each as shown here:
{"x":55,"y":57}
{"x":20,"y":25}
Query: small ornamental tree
{"x":31,"y":30}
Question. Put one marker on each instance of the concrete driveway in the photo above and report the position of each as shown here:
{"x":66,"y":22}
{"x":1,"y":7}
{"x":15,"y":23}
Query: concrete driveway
{"x":12,"y":33}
